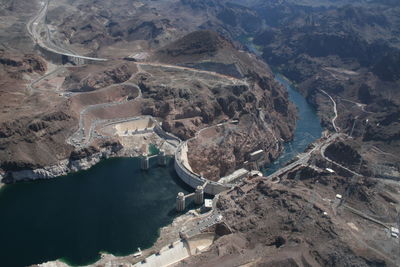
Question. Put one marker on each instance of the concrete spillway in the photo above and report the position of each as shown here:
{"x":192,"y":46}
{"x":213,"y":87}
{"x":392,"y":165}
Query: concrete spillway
{"x":167,"y":256}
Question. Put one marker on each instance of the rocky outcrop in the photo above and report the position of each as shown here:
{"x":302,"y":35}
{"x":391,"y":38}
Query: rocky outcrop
{"x":343,"y":153}
{"x":196,"y":43}
{"x":148,"y":30}
{"x":15,"y":65}
{"x":35,"y":142}
{"x":118,"y":74}
{"x":88,"y":79}
{"x":388,"y":67}
{"x":218,"y":152}
{"x":348,"y":50}
{"x":269,"y":223}
{"x":258,"y":103}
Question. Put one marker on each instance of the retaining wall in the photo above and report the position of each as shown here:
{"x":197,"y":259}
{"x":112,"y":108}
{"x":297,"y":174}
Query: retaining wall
{"x":163,"y":134}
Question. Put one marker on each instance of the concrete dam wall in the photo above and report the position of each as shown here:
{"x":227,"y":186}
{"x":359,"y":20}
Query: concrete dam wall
{"x":192,"y":179}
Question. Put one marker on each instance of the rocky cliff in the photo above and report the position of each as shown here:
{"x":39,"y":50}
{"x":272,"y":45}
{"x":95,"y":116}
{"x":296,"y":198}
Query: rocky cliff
{"x":259,"y":104}
{"x":276,"y":225}
{"x":348,"y":49}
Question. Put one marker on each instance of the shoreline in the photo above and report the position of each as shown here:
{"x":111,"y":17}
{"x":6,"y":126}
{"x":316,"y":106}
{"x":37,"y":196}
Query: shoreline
{"x":68,"y":166}
{"x":167,"y":234}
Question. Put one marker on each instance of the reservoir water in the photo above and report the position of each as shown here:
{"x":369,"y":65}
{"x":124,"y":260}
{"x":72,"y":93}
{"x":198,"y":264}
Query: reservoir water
{"x":112,"y":207}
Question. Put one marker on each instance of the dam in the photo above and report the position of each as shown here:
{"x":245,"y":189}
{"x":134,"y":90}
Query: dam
{"x":113,"y":206}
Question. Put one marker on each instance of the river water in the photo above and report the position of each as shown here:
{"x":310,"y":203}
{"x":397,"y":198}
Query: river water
{"x":308,"y":128}
{"x":113,"y":207}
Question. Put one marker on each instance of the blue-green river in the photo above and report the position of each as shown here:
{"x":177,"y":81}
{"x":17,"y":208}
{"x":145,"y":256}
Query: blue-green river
{"x":308,"y":128}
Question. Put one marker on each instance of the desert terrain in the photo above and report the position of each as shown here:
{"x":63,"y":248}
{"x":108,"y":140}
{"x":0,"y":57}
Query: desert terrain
{"x":82,"y":81}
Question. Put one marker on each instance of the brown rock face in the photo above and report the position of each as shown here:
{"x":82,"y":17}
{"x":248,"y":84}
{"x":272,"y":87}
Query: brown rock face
{"x":219,"y":152}
{"x":32,"y":143}
{"x":15,"y":65}
{"x":254,"y":98}
{"x":196,"y":43}
{"x":348,"y":50}
{"x":118,"y":74}
{"x":271,"y":228}
{"x":91,"y":78}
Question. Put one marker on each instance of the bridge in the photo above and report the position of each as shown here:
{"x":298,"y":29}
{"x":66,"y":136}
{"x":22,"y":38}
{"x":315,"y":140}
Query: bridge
{"x":37,"y":27}
{"x":305,"y":157}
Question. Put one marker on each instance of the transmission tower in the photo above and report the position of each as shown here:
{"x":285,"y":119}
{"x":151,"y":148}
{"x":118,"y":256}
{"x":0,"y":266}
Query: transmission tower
{"x":398,"y":227}
{"x":307,"y":209}
{"x":354,"y":124}
{"x":350,"y":189}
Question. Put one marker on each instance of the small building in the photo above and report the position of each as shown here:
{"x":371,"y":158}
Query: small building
{"x":339,"y":196}
{"x":394,"y":232}
{"x":207,"y":204}
{"x":330,"y":170}
{"x":256,"y":155}
{"x":138,"y":253}
{"x":256,"y":173}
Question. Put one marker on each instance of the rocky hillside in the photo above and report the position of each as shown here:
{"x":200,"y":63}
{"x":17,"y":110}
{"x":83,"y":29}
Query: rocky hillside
{"x":256,"y":100}
{"x":30,"y":134}
{"x":348,"y":49}
{"x":97,"y":26}
{"x":277,"y":225}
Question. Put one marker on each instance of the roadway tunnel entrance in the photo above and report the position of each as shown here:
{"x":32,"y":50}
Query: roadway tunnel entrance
{"x":64,"y":59}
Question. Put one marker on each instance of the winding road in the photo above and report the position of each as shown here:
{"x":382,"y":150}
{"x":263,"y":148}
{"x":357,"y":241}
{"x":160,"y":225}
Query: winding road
{"x":34,"y":26}
{"x":337,"y":129}
{"x":234,"y":80}
{"x":31,"y":86}
{"x":359,"y":105}
{"x":37,"y":25}
{"x":78,"y":139}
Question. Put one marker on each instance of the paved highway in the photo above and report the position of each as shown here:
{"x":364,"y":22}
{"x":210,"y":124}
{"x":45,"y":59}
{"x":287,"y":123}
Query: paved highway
{"x":234,"y":80}
{"x":323,"y":149}
{"x":79,"y":138}
{"x":31,"y":85}
{"x":34,"y":26}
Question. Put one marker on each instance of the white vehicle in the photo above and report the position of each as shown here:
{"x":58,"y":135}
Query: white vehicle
{"x":138,"y":253}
